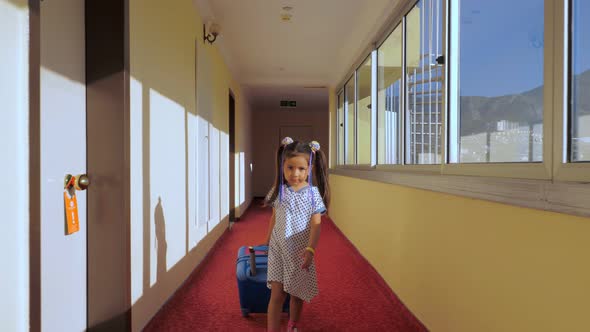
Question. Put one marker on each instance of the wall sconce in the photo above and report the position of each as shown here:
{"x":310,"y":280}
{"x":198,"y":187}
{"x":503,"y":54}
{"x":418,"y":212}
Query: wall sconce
{"x":210,"y":35}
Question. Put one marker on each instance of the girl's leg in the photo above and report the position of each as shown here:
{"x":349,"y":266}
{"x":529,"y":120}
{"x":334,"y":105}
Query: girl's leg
{"x":275,"y":306}
{"x":295,"y":307}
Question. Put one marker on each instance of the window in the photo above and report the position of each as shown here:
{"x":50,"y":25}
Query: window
{"x":389,"y":97}
{"x":350,"y":123}
{"x":340,"y":121}
{"x":579,"y":82}
{"x":483,"y":88}
{"x":364,"y":109}
{"x":496,"y":81}
{"x":424,"y":79}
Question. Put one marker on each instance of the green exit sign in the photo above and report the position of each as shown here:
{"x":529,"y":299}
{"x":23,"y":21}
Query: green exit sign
{"x":288,"y":103}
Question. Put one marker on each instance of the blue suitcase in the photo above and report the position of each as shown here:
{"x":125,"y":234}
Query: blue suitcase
{"x":254,"y":295}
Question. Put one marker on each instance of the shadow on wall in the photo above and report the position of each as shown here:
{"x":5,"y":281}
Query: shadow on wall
{"x":160,"y":224}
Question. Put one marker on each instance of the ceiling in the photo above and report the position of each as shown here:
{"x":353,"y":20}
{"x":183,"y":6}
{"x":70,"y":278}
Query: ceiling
{"x":273,"y":59}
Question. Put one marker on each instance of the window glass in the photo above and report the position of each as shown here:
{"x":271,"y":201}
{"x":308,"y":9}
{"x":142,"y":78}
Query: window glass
{"x":424,"y":83}
{"x":364,"y":110}
{"x":496,"y":81}
{"x":340,"y":126}
{"x":580,"y":81}
{"x":350,"y":123}
{"x":389,"y":97}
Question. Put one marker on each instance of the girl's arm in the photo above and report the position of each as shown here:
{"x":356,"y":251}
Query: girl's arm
{"x":314,"y":237}
{"x":271,"y":225}
{"x":316,"y":221}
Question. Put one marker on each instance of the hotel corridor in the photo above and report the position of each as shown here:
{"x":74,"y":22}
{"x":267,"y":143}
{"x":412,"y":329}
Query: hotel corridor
{"x":456,"y":136}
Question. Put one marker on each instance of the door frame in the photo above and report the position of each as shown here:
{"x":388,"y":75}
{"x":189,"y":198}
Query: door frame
{"x":35,"y":165}
{"x":109,"y":211}
{"x":232,"y":157}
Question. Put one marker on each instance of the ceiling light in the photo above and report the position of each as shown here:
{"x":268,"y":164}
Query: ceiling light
{"x":210,"y":31}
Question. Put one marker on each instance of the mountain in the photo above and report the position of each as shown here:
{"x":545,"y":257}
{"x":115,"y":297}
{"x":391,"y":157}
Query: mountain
{"x":480,"y":114}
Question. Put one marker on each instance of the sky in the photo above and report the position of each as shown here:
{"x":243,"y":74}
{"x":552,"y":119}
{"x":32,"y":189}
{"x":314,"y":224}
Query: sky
{"x":502,"y":50}
{"x":501,"y":46}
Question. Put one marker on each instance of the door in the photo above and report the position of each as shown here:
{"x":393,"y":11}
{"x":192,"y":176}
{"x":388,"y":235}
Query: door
{"x":63,"y":150}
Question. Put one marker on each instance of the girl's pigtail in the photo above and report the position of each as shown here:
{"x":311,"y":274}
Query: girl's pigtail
{"x":321,"y":175}
{"x":281,"y":177}
{"x":272,"y":195}
{"x":309,"y":177}
{"x":277,"y":188}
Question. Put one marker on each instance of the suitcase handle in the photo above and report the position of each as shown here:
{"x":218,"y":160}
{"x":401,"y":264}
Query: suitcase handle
{"x":260,"y":248}
{"x":252,"y":261}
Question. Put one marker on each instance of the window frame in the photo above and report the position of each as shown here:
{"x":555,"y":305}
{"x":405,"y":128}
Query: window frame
{"x":555,"y":108}
{"x":352,"y":79}
{"x":563,"y":169}
{"x":339,"y":96}
{"x":526,"y":170}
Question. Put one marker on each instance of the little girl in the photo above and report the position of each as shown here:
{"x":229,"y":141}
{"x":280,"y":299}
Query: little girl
{"x":294,"y":228}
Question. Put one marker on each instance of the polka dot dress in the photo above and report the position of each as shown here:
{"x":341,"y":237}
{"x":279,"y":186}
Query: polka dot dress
{"x":289,"y":238}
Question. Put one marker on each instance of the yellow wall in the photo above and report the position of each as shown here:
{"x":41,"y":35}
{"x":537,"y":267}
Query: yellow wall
{"x":462,"y":264}
{"x":167,"y":102}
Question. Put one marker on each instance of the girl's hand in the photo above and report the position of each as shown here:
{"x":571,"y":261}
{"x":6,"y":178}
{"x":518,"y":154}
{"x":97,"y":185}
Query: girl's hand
{"x":307,"y":258}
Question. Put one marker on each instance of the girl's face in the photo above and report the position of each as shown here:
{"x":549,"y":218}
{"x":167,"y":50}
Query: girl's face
{"x":295,"y":170}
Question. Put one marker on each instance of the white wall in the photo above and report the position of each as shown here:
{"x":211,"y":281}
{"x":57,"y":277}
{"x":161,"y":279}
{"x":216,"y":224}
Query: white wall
{"x":14,"y":194}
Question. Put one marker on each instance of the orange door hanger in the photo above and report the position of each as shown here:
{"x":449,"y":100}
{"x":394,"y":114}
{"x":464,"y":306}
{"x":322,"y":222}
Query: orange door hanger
{"x":71,"y":209}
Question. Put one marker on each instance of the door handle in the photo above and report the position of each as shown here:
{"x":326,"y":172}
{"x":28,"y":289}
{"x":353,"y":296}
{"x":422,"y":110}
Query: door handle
{"x":79,"y":182}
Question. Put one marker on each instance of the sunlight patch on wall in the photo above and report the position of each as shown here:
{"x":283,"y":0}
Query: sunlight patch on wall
{"x":203,"y":175}
{"x":167,"y":183}
{"x":242,"y":180}
{"x":224,"y":175}
{"x":214,"y":173}
{"x":193,"y":198}
{"x":236,"y":160}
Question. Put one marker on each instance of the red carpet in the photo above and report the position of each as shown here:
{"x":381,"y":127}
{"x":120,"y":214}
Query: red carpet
{"x":353,"y":297}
